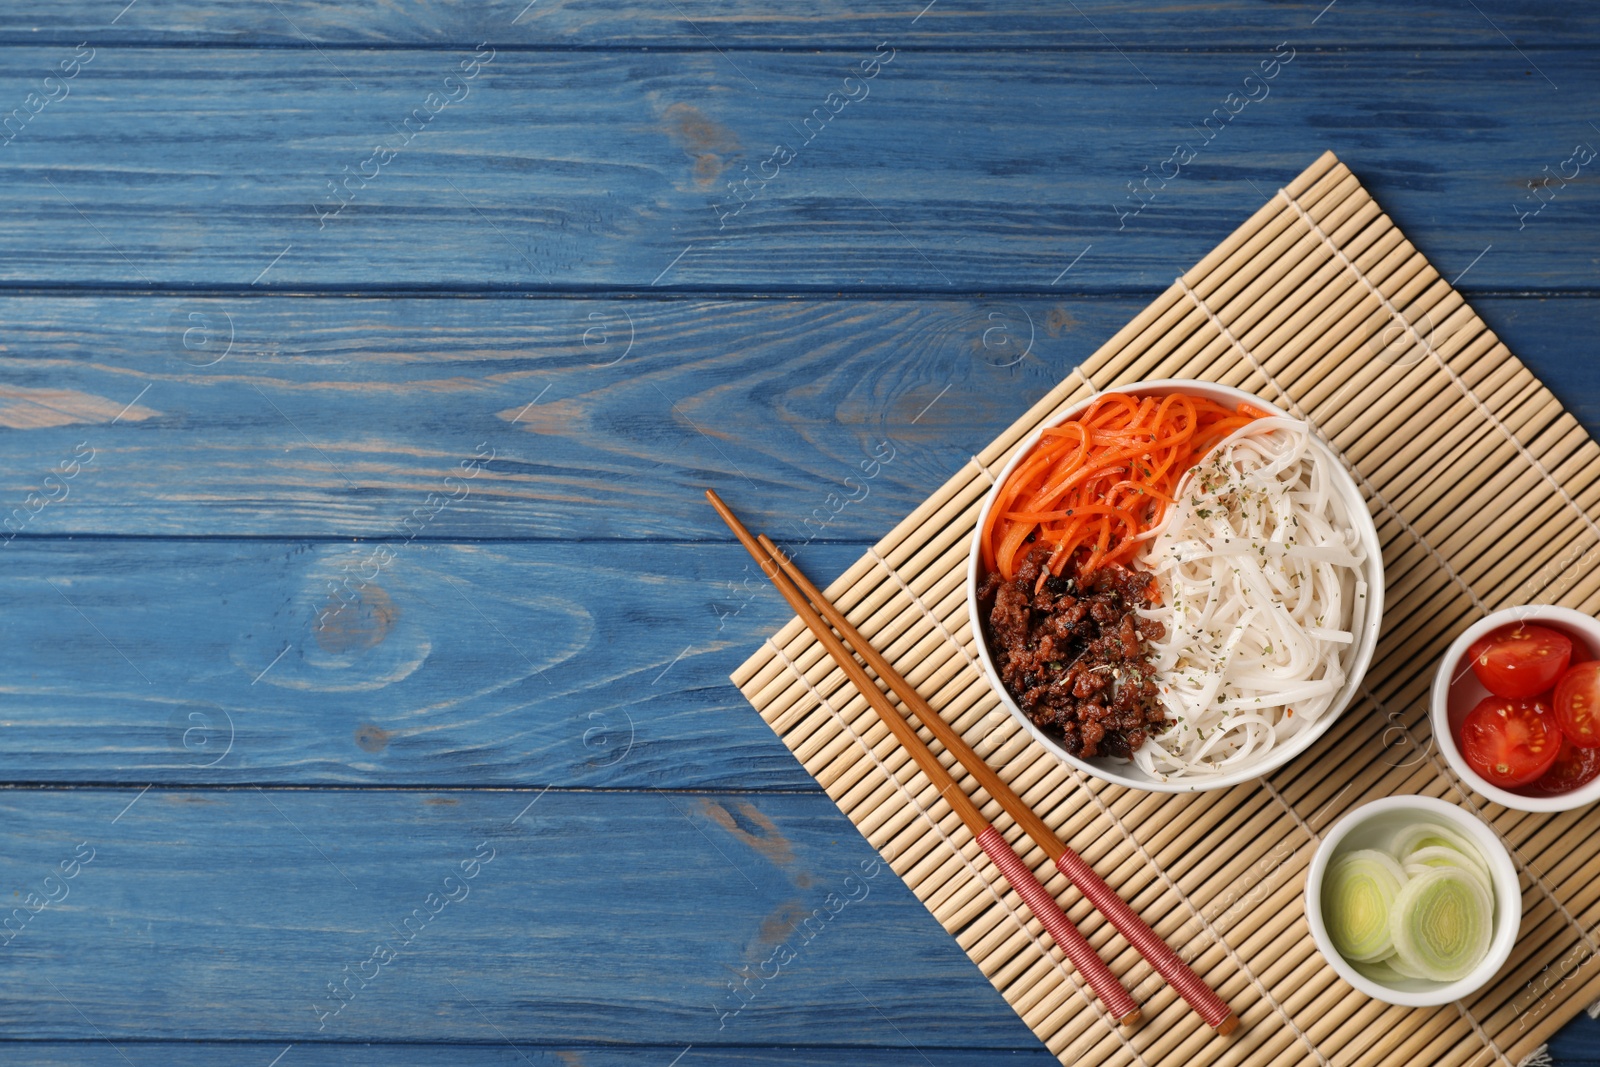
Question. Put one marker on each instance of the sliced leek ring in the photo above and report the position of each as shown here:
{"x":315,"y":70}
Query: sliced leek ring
{"x":1358,"y":896}
{"x":1428,"y":835}
{"x":1441,"y":924}
{"x":1437,"y":856}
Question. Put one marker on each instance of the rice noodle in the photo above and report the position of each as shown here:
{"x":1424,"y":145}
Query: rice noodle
{"x":1260,"y":570}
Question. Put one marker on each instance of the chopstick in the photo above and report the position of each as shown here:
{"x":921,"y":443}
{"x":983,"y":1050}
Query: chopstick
{"x":1127,"y":922}
{"x":1135,"y":930}
{"x":1118,"y":1002}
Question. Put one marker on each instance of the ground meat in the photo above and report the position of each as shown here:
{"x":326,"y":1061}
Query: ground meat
{"x":1075,"y":659}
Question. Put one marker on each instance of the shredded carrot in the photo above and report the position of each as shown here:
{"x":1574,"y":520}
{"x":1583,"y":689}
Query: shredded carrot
{"x":1094,"y":484}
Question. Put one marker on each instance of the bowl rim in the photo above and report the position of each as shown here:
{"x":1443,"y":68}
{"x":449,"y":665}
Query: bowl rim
{"x":1507,"y":902}
{"x":1439,"y":705}
{"x":1367,"y":641}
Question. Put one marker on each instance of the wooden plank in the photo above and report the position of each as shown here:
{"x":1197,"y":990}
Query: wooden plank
{"x":598,"y":918}
{"x":600,"y":666}
{"x":1096,"y":24}
{"x":950,"y":171}
{"x":607,"y":418}
{"x":93,"y":1052}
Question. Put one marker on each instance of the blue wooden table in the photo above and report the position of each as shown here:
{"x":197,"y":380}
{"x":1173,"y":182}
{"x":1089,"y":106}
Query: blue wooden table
{"x":366,"y":636}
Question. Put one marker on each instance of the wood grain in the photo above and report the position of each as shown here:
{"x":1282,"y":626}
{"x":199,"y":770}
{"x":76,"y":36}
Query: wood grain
{"x":951,"y":171}
{"x":600,"y":666}
{"x":702,"y":24}
{"x":238,"y":907}
{"x":608,"y":418}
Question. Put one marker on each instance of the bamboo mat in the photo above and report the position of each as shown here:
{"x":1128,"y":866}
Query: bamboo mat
{"x":1485,"y":495}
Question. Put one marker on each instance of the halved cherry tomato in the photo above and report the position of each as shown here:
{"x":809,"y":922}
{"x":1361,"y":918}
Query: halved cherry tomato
{"x":1511,"y":741}
{"x":1578,"y":703}
{"x":1574,"y":766}
{"x":1520,"y":660}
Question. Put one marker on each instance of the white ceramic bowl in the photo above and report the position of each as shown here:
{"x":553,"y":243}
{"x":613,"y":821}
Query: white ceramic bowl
{"x":1456,"y":691}
{"x":1367,"y":827}
{"x":1123,"y":772}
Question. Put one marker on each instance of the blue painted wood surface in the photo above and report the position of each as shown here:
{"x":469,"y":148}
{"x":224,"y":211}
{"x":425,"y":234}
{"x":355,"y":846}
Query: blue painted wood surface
{"x":700,"y":24}
{"x":562,"y":170}
{"x":526,"y":912}
{"x":350,"y":519}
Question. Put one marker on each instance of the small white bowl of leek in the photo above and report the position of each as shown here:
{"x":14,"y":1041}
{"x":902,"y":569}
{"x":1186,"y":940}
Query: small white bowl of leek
{"x":1421,"y":893}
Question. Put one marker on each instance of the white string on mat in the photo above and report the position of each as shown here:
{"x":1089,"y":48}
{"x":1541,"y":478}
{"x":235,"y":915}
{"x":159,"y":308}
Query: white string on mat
{"x":1582,"y":564}
{"x":1122,"y":828}
{"x":1430,"y":350}
{"x":1539,"y":1057}
{"x":928,"y":614}
{"x":1488,"y":1042}
{"x":894,"y":576}
{"x":1295,"y":815}
{"x":1444,"y":771}
{"x":983,"y":470}
{"x":1062,"y":965}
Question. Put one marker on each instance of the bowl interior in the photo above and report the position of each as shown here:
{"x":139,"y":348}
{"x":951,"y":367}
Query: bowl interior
{"x":1130,"y":774}
{"x":1372,"y":826}
{"x":1456,"y":691}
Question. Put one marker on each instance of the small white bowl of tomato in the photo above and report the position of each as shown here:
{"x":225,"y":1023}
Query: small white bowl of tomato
{"x":1516,"y":707}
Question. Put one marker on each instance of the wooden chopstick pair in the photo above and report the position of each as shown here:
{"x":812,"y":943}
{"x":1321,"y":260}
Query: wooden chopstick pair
{"x":801,"y":595}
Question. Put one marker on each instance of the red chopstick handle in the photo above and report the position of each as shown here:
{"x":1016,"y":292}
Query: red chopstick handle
{"x":1066,"y":934}
{"x":1148,"y":943}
